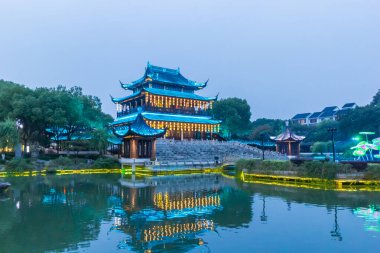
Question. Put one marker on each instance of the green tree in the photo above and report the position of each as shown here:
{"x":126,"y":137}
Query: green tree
{"x":320,"y":147}
{"x":99,"y":140}
{"x":376,"y":99}
{"x":8,"y":134}
{"x":365,"y":118}
{"x":235,"y":114}
{"x":62,"y":111}
{"x":265,"y":126}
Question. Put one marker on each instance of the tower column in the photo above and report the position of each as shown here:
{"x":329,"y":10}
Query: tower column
{"x":133,"y":148}
{"x":153,"y":151}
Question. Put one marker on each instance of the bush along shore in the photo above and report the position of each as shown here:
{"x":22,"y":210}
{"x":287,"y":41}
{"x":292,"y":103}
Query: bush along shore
{"x":53,"y":164}
{"x":309,"y":169}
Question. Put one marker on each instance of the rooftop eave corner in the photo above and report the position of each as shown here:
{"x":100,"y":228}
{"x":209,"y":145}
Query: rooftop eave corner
{"x":120,"y":135}
{"x":113,"y":99}
{"x":202,"y":85}
{"x":216,"y":97}
{"x":124,"y":86}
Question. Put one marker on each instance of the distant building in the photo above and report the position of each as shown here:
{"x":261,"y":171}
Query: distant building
{"x":328,"y":113}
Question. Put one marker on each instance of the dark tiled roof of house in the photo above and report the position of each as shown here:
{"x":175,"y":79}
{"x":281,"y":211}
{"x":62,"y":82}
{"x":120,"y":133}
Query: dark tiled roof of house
{"x":327,"y":114}
{"x":314,"y":115}
{"x":301,"y":116}
{"x":348,"y":105}
{"x":330,"y":108}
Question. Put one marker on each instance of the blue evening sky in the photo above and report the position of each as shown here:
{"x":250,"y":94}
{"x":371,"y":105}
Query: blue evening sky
{"x":284,"y":57}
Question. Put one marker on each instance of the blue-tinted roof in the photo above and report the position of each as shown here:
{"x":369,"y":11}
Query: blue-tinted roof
{"x":301,"y":115}
{"x":330,"y":108}
{"x":114,"y":140}
{"x":118,"y":100}
{"x":314,"y":115}
{"x":348,"y":105}
{"x":167,"y":117}
{"x":180,"y":118}
{"x":327,"y":114}
{"x":168,"y":93}
{"x":140,"y":128}
{"x":164,"y":75}
{"x":125,"y":119}
{"x":171,"y":93}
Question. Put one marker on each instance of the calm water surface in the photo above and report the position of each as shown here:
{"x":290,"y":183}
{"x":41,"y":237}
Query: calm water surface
{"x":199,"y":213}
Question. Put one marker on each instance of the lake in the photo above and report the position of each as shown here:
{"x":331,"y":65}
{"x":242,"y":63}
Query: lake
{"x":192,"y":213}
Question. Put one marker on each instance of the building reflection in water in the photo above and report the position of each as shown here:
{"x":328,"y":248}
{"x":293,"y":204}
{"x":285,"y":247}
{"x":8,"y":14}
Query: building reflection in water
{"x":169,"y":213}
{"x":263,"y":216}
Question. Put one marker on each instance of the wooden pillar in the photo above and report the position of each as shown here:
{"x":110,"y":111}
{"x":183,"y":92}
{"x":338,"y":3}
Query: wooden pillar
{"x":181,"y":134}
{"x":133,"y":148}
{"x":153,"y":151}
{"x":289,"y":148}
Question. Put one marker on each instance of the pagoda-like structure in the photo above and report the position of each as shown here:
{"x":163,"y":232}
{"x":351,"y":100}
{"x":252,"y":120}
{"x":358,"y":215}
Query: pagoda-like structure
{"x":163,"y":103}
{"x":288,"y":142}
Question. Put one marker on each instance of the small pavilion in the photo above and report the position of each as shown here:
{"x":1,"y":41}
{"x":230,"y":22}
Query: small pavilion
{"x":138,"y":139}
{"x":288,"y":142}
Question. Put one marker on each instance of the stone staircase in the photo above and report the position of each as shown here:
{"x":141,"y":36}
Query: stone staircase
{"x":206,"y":151}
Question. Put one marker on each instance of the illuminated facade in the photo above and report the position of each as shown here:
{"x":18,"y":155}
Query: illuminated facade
{"x":167,"y":100}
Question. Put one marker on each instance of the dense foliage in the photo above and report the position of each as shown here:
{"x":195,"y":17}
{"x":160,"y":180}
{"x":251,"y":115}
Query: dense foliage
{"x":61,"y":110}
{"x":8,"y":134}
{"x":313,"y":169}
{"x":235,"y":114}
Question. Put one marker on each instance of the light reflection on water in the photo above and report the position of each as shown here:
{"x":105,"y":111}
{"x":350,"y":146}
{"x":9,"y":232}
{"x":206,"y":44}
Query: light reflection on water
{"x":195,"y":213}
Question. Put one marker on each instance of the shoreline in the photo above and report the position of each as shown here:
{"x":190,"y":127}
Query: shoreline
{"x":312,"y":182}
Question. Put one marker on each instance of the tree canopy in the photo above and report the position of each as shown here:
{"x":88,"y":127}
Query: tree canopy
{"x":235,"y":114}
{"x":60,"y":109}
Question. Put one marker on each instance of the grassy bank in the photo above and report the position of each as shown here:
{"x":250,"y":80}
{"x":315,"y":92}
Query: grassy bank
{"x":310,"y":169}
{"x":61,"y":163}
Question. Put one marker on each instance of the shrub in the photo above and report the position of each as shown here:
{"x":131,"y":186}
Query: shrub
{"x":372,"y":173}
{"x":61,"y":163}
{"x":264,"y":166}
{"x":18,"y":165}
{"x":105,"y":163}
{"x":315,"y":169}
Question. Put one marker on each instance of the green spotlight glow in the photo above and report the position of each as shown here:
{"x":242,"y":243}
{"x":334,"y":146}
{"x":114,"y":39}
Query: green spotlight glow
{"x":367,"y":133}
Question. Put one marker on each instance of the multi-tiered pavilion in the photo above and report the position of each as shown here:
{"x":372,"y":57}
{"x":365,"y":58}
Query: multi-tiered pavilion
{"x":165,"y":103}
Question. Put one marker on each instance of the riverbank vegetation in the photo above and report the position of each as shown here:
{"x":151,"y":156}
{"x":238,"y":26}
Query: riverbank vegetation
{"x":314,"y":169}
{"x":60,"y":163}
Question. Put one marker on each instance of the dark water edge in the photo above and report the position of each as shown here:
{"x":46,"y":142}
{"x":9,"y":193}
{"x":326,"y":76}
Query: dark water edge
{"x":193,"y":213}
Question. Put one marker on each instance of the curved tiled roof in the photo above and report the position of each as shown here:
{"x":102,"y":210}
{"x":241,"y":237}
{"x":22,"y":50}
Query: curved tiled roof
{"x":167,"y":93}
{"x":301,"y":116}
{"x":164,"y":75}
{"x":287,"y":135}
{"x":139,"y":128}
